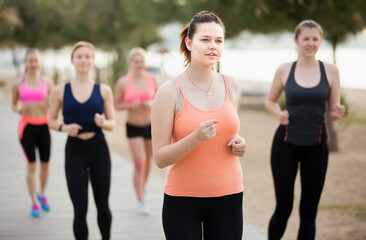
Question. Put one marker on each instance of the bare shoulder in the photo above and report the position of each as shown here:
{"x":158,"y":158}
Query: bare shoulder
{"x":233,"y":82}
{"x":121,"y":81}
{"x":105,"y":89}
{"x":331,"y":69}
{"x":284,"y":68}
{"x":49,"y":81}
{"x":59,"y":89}
{"x":167,"y":89}
{"x":16,"y":84}
{"x":282,"y":73}
{"x":57,"y":93}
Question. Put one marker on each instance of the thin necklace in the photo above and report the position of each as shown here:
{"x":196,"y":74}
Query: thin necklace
{"x":208,"y":92}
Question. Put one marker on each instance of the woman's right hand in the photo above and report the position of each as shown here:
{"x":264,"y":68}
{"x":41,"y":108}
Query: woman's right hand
{"x":207,"y":130}
{"x":19,"y":110}
{"x":72,"y":129}
{"x":284,"y":117}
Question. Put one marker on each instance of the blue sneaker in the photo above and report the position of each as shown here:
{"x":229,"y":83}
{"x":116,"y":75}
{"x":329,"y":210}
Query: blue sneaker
{"x":35,"y":211}
{"x":44,"y":203}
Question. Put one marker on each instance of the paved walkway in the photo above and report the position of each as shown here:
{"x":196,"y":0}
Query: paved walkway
{"x":15,"y":220}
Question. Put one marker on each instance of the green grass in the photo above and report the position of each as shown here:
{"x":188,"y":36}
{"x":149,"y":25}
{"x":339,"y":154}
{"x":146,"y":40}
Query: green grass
{"x":356,"y":210}
{"x":353,"y":120}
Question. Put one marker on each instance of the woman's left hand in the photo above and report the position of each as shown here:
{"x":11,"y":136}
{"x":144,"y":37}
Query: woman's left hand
{"x":238,"y":146}
{"x":99,"y":120}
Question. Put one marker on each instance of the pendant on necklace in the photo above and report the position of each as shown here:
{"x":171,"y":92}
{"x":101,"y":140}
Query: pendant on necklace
{"x":208,"y":93}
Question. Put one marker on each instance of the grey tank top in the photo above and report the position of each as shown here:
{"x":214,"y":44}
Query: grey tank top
{"x":306,"y":107}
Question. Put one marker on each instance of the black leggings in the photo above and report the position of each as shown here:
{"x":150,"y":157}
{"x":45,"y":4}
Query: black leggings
{"x":285,"y":160}
{"x":89,"y":159}
{"x":186,"y":218}
{"x":36,"y":136}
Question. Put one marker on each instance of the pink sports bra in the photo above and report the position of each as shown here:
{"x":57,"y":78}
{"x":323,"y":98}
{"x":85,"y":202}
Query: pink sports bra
{"x":32,"y":95}
{"x":132,"y":95}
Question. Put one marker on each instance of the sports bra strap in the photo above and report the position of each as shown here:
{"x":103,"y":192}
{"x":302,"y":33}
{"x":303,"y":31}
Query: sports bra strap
{"x":180,"y":97}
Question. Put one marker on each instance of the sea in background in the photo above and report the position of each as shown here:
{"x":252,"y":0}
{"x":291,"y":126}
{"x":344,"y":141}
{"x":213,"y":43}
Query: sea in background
{"x":249,"y":57}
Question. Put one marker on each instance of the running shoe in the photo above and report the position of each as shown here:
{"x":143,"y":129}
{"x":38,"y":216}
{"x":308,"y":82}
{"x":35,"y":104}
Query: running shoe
{"x":142,"y":208}
{"x":35,"y":211}
{"x":44,"y":203}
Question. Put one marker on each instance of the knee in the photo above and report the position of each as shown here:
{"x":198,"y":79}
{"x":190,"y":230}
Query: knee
{"x":139,"y":166}
{"x":283,"y":212}
{"x":44,"y":167}
{"x":80,"y":213}
{"x":308,"y":213}
{"x":32,"y":168}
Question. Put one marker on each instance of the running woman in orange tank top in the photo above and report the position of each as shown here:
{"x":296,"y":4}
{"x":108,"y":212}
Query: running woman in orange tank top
{"x":134,"y":92}
{"x":33,"y":90}
{"x":195,"y":134}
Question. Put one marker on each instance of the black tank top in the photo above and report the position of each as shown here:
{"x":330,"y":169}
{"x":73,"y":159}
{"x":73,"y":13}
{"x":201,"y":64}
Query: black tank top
{"x":306,"y":107}
{"x":83,"y":113}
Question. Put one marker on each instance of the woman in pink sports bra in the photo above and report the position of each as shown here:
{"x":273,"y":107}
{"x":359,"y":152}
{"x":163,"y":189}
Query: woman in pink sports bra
{"x":32,"y":90}
{"x":195,"y":134}
{"x":135,"y":92}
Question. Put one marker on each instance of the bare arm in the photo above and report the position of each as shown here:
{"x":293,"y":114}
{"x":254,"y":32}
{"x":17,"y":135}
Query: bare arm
{"x":238,"y":144}
{"x":162,"y":119}
{"x":55,"y":102}
{"x":336,"y":109}
{"x":15,"y":98}
{"x":107,"y":121}
{"x":50,"y":85}
{"x":275,"y":92}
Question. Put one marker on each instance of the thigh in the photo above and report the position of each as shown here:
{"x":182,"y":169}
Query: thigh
{"x":100,"y":171}
{"x":223,"y":218}
{"x":148,"y":147}
{"x":76,"y":170}
{"x":313,"y":172}
{"x":284,"y":165}
{"x":137,"y":148}
{"x":181,"y":218}
{"x":44,"y":143}
{"x":28,"y":142}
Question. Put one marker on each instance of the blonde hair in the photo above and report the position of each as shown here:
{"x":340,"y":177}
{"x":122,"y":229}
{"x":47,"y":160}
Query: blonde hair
{"x":307,"y":24}
{"x":134,"y":51}
{"x":82,"y":44}
{"x":29,"y":51}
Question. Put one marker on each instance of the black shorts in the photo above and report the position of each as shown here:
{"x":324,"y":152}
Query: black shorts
{"x":137,"y":131}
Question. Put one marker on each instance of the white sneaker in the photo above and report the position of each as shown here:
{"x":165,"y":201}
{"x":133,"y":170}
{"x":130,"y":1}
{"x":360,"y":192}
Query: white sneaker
{"x":142,"y":208}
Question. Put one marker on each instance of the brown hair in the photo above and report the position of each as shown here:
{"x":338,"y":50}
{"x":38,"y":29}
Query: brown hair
{"x":190,"y":29}
{"x":307,"y":24}
{"x":29,"y":51}
{"x":82,"y":44}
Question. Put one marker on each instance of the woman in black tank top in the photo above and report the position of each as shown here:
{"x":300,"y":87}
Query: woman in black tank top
{"x":301,"y":138}
{"x":87,"y":109}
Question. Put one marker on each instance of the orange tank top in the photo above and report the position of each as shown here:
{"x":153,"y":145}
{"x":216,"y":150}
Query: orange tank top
{"x":209,"y":170}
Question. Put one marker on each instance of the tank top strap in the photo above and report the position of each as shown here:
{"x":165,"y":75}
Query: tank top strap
{"x":68,"y":92}
{"x":322,"y":71}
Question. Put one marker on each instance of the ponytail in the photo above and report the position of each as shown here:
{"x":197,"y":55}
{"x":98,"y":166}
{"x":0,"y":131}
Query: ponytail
{"x":183,"y":47}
